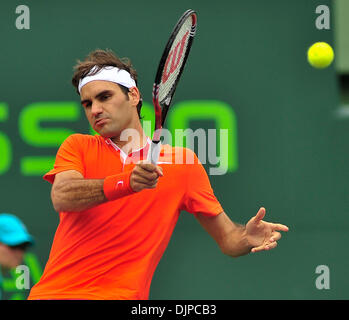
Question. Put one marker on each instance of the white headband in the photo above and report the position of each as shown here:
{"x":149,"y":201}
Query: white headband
{"x":109,"y":73}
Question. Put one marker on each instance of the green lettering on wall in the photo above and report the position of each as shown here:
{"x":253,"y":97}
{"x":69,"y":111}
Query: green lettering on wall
{"x":5,"y":144}
{"x":36,"y":165}
{"x":31,"y":132}
{"x":35,"y":113}
{"x":180,"y":116}
{"x":223,"y":115}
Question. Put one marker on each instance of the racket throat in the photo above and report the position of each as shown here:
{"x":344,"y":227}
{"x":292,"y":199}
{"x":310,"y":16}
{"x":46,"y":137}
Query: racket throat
{"x":154,"y":151}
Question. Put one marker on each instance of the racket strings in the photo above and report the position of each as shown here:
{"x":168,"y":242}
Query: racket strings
{"x":175,"y":61}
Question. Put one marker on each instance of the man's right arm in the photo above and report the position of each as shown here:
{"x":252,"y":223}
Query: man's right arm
{"x":71,"y":192}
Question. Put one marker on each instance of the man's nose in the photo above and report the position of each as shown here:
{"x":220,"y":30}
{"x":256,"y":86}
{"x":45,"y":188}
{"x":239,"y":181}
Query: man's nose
{"x":96,"y":108}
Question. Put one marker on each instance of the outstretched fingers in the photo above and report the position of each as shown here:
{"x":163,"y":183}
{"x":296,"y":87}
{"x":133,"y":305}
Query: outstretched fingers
{"x":275,"y":236}
{"x":269,"y":244}
{"x":279,"y":227}
{"x":265,"y":247}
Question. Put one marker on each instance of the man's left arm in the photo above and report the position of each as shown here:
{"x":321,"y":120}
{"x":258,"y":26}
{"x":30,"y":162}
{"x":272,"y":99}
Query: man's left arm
{"x":236,"y":240}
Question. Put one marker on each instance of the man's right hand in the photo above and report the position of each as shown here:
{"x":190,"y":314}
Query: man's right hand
{"x":145,"y":175}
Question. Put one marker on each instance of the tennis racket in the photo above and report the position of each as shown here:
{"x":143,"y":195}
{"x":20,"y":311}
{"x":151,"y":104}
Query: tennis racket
{"x":169,"y":71}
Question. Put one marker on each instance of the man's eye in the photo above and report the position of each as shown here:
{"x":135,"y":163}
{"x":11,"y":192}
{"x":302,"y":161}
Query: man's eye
{"x":105,"y":97}
{"x":87,"y":104}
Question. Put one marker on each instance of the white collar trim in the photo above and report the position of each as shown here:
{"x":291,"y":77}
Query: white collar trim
{"x":122,"y":153}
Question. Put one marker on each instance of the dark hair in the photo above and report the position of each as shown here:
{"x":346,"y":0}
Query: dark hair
{"x":22,"y":246}
{"x":100,"y":59}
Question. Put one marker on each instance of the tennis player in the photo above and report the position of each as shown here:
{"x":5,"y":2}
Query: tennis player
{"x":117,"y":212}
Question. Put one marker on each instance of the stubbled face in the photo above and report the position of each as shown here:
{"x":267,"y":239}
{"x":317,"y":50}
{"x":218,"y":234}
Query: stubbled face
{"x":10,"y":257}
{"x":107,"y":108}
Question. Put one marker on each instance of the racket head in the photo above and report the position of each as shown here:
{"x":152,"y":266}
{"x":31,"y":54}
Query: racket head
{"x":171,"y":65}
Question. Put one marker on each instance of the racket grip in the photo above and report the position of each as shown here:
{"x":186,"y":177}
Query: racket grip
{"x":154,"y":152}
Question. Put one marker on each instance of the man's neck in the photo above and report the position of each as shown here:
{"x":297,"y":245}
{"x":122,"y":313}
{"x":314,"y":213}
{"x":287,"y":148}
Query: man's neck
{"x":136,"y":141}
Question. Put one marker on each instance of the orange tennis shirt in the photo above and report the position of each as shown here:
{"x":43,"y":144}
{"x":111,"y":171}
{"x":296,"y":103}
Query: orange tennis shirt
{"x":111,"y":250}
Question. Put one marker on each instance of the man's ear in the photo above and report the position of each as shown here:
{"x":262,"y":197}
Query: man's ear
{"x":134,"y":96}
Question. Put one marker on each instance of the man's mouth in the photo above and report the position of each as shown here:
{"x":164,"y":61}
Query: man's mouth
{"x":100,"y":122}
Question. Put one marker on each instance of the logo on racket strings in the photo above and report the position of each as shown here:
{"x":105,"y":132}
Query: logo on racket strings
{"x":174,"y":58}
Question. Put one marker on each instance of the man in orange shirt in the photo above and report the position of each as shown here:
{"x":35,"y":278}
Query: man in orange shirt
{"x":117,"y":212}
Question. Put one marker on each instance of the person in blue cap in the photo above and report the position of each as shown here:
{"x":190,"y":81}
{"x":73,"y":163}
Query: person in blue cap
{"x":14,"y":241}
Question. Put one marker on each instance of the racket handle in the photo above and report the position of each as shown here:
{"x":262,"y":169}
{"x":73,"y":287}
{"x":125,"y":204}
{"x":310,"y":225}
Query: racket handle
{"x":154,"y":152}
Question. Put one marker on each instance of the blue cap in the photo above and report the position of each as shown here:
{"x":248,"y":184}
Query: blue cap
{"x":12,"y":231}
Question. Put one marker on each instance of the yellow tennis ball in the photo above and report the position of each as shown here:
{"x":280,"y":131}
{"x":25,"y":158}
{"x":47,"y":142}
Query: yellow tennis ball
{"x":320,"y":55}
